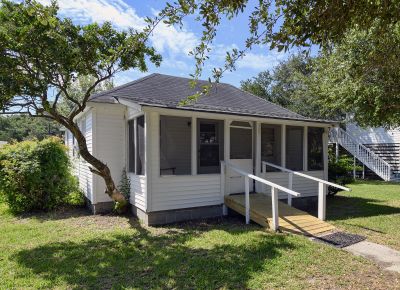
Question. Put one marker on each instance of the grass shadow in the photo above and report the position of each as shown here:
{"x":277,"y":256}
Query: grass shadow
{"x":345,"y":207}
{"x":147,"y":260}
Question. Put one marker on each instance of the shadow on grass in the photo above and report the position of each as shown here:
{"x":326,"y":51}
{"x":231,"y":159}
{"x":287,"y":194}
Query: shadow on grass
{"x":148,"y":260}
{"x":344,"y":207}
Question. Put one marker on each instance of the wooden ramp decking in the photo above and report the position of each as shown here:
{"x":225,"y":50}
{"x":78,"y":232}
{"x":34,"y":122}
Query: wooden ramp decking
{"x":290,"y":219}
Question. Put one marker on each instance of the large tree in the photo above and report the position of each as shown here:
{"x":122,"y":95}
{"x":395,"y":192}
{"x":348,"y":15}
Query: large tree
{"x":42,"y":56}
{"x":361,"y":75}
{"x":288,"y":85}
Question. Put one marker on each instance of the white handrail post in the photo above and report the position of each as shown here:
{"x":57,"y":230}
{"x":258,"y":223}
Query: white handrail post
{"x":264,"y":170}
{"x":290,"y":186}
{"x":275,"y":210}
{"x":321,"y":201}
{"x":223,"y":188}
{"x":247,"y":198}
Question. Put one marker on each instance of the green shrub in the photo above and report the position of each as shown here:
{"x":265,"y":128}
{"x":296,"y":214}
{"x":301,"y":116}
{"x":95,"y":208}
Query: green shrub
{"x":35,"y":175}
{"x":340,"y":171}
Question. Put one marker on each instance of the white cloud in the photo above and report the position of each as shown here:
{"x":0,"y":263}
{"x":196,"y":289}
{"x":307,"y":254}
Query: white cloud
{"x":259,"y":61}
{"x":164,"y":38}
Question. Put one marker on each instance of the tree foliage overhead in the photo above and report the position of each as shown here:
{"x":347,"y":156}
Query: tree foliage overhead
{"x":281,"y":24}
{"x":371,"y":79}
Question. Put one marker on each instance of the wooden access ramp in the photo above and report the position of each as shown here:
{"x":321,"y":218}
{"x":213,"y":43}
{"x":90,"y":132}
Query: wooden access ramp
{"x":290,"y":219}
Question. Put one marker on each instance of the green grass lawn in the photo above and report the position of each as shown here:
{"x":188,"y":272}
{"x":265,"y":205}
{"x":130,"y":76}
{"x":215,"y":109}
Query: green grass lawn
{"x":71,"y":249}
{"x":371,"y":209}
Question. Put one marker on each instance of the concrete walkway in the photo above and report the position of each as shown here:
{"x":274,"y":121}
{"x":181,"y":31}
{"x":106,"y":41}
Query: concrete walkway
{"x":384,"y":256}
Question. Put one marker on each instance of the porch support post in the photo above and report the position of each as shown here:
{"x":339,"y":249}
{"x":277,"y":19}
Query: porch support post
{"x":305,"y":149}
{"x":290,"y":186}
{"x":283,"y":146}
{"x":194,"y":145}
{"x":223,"y":185}
{"x":247,"y":198}
{"x":258,"y":154}
{"x":325,"y":151}
{"x":275,"y":210}
{"x":321,"y":201}
{"x":227,"y":139}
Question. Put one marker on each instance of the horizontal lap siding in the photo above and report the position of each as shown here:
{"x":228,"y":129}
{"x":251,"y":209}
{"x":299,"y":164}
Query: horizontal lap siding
{"x":110,"y":144}
{"x":80,"y":166}
{"x":174,"y":192}
{"x":138,"y":191}
{"x":373,"y":135}
{"x":305,"y":187}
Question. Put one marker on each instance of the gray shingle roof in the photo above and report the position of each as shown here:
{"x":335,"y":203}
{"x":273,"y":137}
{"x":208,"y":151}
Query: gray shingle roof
{"x":160,"y":90}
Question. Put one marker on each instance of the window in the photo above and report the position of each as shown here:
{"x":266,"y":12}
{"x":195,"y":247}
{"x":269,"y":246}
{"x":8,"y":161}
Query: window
{"x":140,"y":155}
{"x":175,"y":145}
{"x":241,"y":142}
{"x":271,"y":145}
{"x":136,"y":146}
{"x":294,"y":147}
{"x":210,"y":146}
{"x":131,"y":146}
{"x":315,"y":149}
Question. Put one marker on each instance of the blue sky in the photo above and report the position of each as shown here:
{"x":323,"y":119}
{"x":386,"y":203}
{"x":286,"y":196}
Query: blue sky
{"x":173,"y":43}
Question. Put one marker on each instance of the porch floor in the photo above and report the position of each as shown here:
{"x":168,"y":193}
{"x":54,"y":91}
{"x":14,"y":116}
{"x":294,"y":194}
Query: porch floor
{"x":290,"y":219}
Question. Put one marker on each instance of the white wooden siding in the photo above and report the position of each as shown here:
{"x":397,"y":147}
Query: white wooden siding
{"x":80,"y":166}
{"x":373,"y":135}
{"x":302,"y":185}
{"x":138,"y":191}
{"x":110,"y":144}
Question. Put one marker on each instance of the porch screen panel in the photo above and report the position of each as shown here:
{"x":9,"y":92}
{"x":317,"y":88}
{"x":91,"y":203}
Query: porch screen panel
{"x":241,"y":143}
{"x":210,"y":145}
{"x":140,"y":155}
{"x":294,"y":148}
{"x":175,"y":145}
{"x":131,"y":146}
{"x":315,"y":149}
{"x":271,"y":145}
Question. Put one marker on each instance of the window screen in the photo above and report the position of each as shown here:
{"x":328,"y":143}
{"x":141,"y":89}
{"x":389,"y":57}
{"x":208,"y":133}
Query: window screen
{"x":271,"y":145}
{"x":140,"y":148}
{"x":294,"y":148}
{"x":315,"y":149}
{"x":241,"y":143}
{"x":131,"y":146}
{"x":175,"y":145}
{"x":210,"y":144}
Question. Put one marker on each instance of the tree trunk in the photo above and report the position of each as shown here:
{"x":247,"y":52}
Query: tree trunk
{"x":98,"y":168}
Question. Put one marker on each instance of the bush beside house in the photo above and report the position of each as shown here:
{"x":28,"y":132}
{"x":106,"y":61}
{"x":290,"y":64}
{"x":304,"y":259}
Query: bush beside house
{"x":36,"y":175}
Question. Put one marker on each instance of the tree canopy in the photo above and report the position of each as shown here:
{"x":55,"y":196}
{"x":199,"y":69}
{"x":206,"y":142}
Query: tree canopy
{"x":361,"y":75}
{"x":23,"y":127}
{"x":289,"y":85}
{"x":43,"y":55}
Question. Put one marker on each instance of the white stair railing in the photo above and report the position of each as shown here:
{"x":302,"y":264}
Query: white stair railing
{"x":362,"y":153}
{"x":274,"y":190}
{"x":321,"y":186}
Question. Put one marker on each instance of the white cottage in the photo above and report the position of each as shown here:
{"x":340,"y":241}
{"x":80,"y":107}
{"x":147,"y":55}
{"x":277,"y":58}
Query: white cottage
{"x":173,"y":153}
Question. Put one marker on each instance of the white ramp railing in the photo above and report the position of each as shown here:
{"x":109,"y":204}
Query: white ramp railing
{"x":321,"y":186}
{"x":362,"y":153}
{"x":247,"y":176}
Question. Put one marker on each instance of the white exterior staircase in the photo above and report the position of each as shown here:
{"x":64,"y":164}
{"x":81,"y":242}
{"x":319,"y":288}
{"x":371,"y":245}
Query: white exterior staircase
{"x":363,"y":154}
